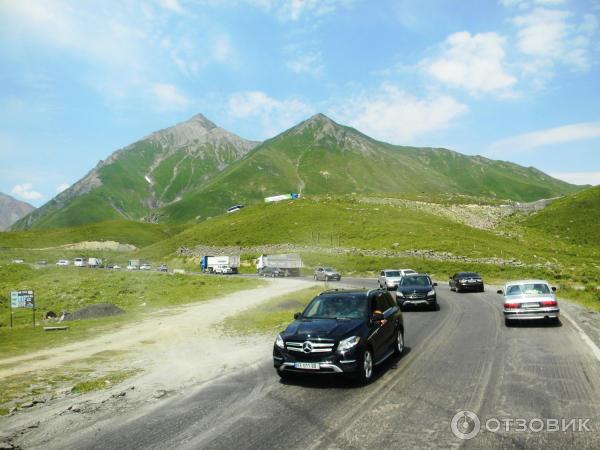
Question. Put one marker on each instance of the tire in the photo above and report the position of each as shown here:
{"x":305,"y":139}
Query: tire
{"x":365,"y":371}
{"x":451,"y":288}
{"x":508,"y":322}
{"x":284,"y":374}
{"x":399,"y":344}
{"x":555,"y":321}
{"x":435,"y":306}
{"x":482,"y":289}
{"x":457,"y":289}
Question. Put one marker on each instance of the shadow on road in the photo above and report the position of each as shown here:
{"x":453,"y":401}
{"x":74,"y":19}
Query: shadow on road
{"x":339,"y":381}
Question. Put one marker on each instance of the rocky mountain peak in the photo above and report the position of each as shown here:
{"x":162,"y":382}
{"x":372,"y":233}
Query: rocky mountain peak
{"x":12,"y":210}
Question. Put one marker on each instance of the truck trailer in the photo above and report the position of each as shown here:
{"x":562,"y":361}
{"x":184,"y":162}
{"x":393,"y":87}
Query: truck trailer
{"x":220,"y":264}
{"x":289,"y":263}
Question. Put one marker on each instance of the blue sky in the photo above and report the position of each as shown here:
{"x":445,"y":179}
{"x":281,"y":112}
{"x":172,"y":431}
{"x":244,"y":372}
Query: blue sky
{"x":517,"y":80}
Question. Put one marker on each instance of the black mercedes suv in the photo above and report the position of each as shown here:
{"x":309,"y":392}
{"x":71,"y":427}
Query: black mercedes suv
{"x":417,"y":290}
{"x":341,"y":331}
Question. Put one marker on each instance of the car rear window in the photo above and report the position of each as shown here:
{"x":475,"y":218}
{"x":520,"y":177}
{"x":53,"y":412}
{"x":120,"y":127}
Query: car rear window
{"x":528,"y":289}
{"x":392,"y":273}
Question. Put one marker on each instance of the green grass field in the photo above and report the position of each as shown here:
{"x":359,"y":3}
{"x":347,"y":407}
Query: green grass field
{"x":70,"y":289}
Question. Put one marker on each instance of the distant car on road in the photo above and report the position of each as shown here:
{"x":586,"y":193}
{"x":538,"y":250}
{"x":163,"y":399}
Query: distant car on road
{"x":417,"y":290}
{"x":145,"y":266}
{"x":466,"y":281}
{"x":529,"y":300}
{"x":327,"y":274}
{"x":17,"y":261}
{"x":234,"y":208}
{"x":80,"y":262}
{"x":162,"y":268}
{"x":271,"y":272}
{"x":42,"y":262}
{"x":390,"y":278}
{"x":341,"y":331}
{"x":62,"y":262}
{"x":224,"y":269}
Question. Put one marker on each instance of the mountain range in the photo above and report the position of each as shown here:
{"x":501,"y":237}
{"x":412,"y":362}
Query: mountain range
{"x":12,"y":210}
{"x":195,"y":169}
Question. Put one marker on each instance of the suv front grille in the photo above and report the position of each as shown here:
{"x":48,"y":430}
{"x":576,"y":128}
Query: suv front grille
{"x":416,"y":295}
{"x":310,"y":346}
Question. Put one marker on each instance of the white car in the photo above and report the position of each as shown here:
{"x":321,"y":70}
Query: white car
{"x":62,"y":262}
{"x":390,"y":278}
{"x":80,"y":262}
{"x":145,"y":266}
{"x":529,"y":300}
{"x":223,"y":269}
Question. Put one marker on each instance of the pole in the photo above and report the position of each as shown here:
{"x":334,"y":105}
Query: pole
{"x":10,"y":309}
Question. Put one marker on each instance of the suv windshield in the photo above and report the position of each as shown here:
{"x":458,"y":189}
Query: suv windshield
{"x":420,"y":280}
{"x":392,"y":273}
{"x":329,"y":269}
{"x":469,"y":275}
{"x":528,"y":289}
{"x":337,"y":307}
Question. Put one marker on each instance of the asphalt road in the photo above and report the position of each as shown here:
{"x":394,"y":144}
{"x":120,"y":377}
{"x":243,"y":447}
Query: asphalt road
{"x":461,"y":357}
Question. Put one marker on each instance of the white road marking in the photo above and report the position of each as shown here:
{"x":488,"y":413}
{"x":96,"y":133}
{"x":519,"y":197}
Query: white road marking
{"x":583,"y":335}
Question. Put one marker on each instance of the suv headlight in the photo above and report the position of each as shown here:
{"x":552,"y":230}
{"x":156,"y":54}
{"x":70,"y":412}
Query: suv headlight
{"x":348,"y":343}
{"x":431,"y":292}
{"x":399,"y":294}
{"x":279,"y":341}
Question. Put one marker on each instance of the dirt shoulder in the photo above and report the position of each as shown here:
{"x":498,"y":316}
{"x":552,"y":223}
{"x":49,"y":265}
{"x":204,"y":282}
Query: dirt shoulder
{"x":171,"y":353}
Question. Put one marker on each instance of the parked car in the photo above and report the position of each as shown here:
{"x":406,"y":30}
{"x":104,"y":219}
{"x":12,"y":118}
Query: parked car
{"x":327,"y":274}
{"x":62,"y":262}
{"x":341,"y":332}
{"x":271,"y":272}
{"x":18,"y":261}
{"x":116,"y":267}
{"x":42,"y":262}
{"x":529,"y":300}
{"x":145,"y":266}
{"x":417,"y":290}
{"x":466,"y":281}
{"x":80,"y":262}
{"x":162,"y":268}
{"x":389,"y":279}
{"x":132,"y":267}
{"x":223,"y":269}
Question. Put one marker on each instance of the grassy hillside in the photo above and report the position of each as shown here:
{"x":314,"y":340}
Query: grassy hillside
{"x":573,"y":218}
{"x":345,"y":222}
{"x":126,"y":232}
{"x":322,"y":157}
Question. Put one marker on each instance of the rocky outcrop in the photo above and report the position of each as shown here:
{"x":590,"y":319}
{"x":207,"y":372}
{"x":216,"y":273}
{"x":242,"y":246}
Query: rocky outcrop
{"x":12,"y":210}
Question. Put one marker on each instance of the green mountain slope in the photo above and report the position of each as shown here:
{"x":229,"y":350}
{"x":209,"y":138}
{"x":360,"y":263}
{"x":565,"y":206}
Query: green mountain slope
{"x":574,"y":218}
{"x":320,"y":156}
{"x":136,"y":181}
{"x":126,"y":232}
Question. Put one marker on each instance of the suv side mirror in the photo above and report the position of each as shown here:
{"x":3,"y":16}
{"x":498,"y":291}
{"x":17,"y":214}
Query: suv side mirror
{"x":499,"y":291}
{"x":297,"y":315}
{"x":553,"y":288}
{"x":435,"y":284}
{"x":377,"y":317}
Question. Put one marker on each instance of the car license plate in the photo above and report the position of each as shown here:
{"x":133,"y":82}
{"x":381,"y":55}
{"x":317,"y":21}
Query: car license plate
{"x":309,"y":366}
{"x":530,"y":305}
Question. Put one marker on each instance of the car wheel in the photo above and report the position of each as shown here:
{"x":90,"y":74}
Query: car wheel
{"x":457,"y":289}
{"x":508,"y":322}
{"x":554,"y":321}
{"x":435,"y":306}
{"x":450,"y":285}
{"x":284,"y":374}
{"x":365,"y":371}
{"x":399,"y":344}
{"x":482,"y":289}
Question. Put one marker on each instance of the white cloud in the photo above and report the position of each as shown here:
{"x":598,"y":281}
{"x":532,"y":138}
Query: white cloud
{"x":310,"y":63}
{"x":168,"y":97}
{"x":25,"y":191}
{"x":542,"y":138}
{"x":395,"y":116}
{"x":222,"y":49}
{"x":62,"y":187}
{"x":293,"y":10}
{"x":471,"y":62}
{"x":275,"y":115}
{"x":580,"y":178}
{"x":172,"y":5}
{"x":549,"y":36}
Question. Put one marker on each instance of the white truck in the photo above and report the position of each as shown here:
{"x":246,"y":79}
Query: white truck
{"x":289,"y":263}
{"x":220,"y":264}
{"x":94,"y":262}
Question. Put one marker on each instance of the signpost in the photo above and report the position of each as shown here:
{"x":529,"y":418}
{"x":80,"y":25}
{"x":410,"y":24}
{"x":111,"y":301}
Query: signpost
{"x":22,"y":299}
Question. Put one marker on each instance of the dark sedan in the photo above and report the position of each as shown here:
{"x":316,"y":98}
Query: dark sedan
{"x":466,"y":281}
{"x":417,"y":290}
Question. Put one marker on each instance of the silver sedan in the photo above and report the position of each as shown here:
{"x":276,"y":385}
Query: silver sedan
{"x":529,"y":300}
